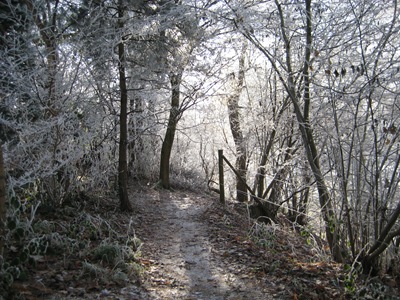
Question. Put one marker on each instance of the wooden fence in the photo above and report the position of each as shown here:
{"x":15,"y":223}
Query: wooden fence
{"x":221,"y":159}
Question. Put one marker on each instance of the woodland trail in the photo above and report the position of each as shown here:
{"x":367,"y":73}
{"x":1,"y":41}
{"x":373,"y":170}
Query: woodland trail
{"x":181,"y":252}
{"x":193,"y":249}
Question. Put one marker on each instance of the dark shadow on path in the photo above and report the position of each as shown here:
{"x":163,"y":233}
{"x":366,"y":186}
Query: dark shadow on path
{"x":188,"y":255}
{"x":179,"y":249}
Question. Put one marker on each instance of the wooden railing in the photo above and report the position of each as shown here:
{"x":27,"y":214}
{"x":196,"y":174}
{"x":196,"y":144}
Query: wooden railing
{"x":221,"y":159}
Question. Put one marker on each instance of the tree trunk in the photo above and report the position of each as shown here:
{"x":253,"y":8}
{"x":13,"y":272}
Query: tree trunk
{"x":123,"y":122}
{"x":328,"y":214}
{"x":3,"y":198}
{"x":135,"y":145}
{"x":48,"y":33}
{"x":259,"y":181}
{"x":168,"y":142}
{"x":237,"y":133}
{"x":47,"y":23}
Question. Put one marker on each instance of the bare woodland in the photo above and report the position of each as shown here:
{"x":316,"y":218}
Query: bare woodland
{"x":302,"y":96}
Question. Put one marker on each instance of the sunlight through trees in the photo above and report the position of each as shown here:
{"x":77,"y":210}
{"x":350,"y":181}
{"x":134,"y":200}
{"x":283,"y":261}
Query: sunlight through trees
{"x":302,"y":95}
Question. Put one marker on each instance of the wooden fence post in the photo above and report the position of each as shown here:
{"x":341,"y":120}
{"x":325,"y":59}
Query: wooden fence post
{"x":221,"y":176}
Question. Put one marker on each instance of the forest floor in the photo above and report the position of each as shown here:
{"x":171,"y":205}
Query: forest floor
{"x":192,"y":248}
{"x":197,"y":250}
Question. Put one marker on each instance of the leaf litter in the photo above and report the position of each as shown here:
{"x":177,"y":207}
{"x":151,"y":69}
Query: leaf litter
{"x":187,"y":246}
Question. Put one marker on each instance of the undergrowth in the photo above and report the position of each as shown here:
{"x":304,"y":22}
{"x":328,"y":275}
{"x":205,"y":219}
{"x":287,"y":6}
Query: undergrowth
{"x":352,"y":280}
{"x":108,"y":251}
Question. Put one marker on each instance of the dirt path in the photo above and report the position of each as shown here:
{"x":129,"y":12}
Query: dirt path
{"x":193,"y":250}
{"x":181,"y":253}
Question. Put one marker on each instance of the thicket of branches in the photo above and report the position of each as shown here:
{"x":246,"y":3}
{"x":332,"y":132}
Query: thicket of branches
{"x":310,"y":89}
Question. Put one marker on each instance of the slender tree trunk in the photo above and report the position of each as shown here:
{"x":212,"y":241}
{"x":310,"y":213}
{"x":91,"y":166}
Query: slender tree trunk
{"x":47,"y":23}
{"x":3,"y":199}
{"x":123,"y":121}
{"x":328,"y":213}
{"x":259,"y":181}
{"x":388,"y":232}
{"x":135,"y":145}
{"x":47,"y":26}
{"x":168,"y":142}
{"x":329,"y":216}
{"x":237,"y":133}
